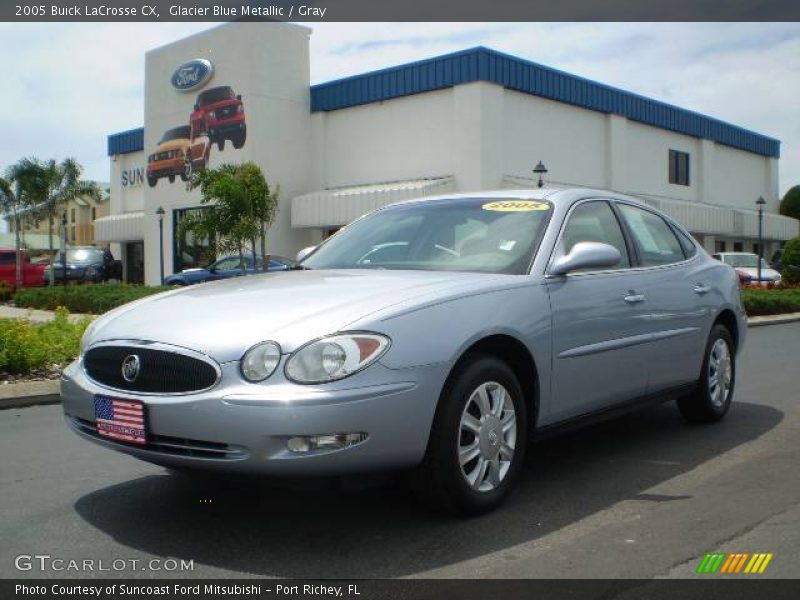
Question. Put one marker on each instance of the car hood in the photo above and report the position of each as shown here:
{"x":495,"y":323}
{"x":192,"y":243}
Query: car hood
{"x":768,"y":274}
{"x":224,"y":318}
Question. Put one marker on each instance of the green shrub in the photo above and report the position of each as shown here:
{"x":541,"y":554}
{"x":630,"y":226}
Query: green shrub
{"x":771,"y":302}
{"x":790,"y":257}
{"x":89,"y":298}
{"x":26,"y":346}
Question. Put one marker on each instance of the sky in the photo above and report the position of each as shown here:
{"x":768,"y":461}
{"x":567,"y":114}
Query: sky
{"x":66,"y":86}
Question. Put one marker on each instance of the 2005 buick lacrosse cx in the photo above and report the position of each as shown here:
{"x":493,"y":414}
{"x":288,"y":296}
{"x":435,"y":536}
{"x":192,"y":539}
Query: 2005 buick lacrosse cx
{"x":435,"y":336}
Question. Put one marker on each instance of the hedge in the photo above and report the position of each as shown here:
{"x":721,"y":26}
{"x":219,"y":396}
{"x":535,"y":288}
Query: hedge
{"x":759,"y":302}
{"x":26,"y":346}
{"x":88,"y":298}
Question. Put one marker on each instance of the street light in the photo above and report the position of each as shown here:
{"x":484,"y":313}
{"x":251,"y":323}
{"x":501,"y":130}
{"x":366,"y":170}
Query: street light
{"x":540,"y":170}
{"x":760,"y":203}
{"x":161,"y":212}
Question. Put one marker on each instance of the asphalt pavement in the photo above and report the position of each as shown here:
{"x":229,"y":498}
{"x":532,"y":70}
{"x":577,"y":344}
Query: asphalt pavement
{"x":646,"y":495}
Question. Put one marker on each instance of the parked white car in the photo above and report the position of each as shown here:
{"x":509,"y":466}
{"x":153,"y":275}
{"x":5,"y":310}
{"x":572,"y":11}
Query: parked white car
{"x":746,"y":265}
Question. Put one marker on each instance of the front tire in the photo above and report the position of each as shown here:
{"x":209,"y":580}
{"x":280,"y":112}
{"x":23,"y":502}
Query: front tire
{"x":713,"y":394}
{"x":478,"y":438}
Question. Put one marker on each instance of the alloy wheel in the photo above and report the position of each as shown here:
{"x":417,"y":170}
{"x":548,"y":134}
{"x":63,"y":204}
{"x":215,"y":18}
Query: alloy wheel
{"x":719,"y":373}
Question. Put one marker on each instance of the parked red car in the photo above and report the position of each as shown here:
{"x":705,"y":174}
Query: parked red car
{"x":221,"y":111}
{"x":32,"y":274}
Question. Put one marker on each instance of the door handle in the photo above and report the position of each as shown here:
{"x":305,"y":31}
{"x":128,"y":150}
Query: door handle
{"x":701,"y":289}
{"x":633,"y":298}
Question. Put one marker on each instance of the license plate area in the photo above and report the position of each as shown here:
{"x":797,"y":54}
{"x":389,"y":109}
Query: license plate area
{"x":120,"y":419}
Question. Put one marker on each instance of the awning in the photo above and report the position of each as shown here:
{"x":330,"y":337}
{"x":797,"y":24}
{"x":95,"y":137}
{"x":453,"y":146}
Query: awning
{"x":125,"y":227}
{"x":338,"y":206}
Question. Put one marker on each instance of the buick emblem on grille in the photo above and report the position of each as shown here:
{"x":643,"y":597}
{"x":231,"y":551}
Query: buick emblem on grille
{"x":130,"y":368}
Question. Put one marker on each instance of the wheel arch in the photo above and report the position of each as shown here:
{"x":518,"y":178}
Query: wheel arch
{"x":516,"y":355}
{"x":727,"y":318}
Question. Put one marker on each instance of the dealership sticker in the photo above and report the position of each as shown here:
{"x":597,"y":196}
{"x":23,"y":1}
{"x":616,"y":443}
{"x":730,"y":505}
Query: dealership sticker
{"x":516,"y":205}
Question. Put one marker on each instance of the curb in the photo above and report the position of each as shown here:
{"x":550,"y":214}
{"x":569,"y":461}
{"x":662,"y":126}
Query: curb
{"x":32,"y":393}
{"x":773,"y":320}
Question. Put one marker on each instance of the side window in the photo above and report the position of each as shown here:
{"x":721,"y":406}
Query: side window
{"x":688,"y":245}
{"x":655,"y":239}
{"x":595,"y":222}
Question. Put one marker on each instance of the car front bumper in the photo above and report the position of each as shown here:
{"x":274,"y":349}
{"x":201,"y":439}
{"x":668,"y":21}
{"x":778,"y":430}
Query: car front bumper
{"x":227,"y":430}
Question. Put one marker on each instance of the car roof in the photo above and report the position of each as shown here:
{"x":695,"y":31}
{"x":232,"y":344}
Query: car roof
{"x":556,"y":195}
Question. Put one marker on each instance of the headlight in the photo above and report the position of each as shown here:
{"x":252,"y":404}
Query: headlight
{"x":212,"y":115}
{"x":335,"y":357}
{"x":86,"y":335}
{"x":260,"y":361}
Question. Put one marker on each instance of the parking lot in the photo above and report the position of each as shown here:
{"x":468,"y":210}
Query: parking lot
{"x":646,"y":495}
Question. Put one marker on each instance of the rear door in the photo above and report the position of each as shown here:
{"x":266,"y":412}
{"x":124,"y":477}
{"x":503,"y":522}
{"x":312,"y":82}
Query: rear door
{"x":599,"y":321}
{"x":681,"y":299}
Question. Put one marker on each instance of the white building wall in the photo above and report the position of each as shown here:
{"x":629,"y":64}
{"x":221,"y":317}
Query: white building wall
{"x":268,"y":64}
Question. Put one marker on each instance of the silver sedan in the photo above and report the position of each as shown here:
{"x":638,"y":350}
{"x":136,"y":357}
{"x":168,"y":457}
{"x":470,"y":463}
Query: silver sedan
{"x":436,"y":336}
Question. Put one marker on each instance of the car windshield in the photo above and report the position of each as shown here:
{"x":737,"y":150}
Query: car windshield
{"x":215,"y":95}
{"x":84,"y":256}
{"x":466,"y":234}
{"x":744,"y":261}
{"x":176,"y":133}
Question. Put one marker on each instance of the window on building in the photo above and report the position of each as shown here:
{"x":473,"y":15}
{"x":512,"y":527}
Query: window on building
{"x":655,"y":239}
{"x":738,"y":247}
{"x":189,"y":252}
{"x":678,"y":167}
{"x":94,"y":213}
{"x":72,"y":215}
{"x":720,"y":246}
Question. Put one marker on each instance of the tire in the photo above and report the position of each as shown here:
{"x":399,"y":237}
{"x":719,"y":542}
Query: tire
{"x":152,"y":181}
{"x":171,"y":178}
{"x":221,"y":144}
{"x":241,"y":137}
{"x":187,"y":170}
{"x":441,"y":479}
{"x":713,"y":394}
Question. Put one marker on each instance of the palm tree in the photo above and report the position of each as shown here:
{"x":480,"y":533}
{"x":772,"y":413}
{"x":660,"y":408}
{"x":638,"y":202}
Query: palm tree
{"x":50,"y":185}
{"x":239,"y":204}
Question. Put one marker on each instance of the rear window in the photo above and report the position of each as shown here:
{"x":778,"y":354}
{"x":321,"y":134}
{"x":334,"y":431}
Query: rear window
{"x":655,"y":239}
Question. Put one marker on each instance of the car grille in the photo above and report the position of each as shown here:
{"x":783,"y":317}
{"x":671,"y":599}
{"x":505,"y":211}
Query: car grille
{"x":160,"y":372}
{"x":169,"y":445}
{"x":224,"y":113}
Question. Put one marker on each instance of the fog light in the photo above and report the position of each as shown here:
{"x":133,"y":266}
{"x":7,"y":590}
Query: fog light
{"x":332,"y":441}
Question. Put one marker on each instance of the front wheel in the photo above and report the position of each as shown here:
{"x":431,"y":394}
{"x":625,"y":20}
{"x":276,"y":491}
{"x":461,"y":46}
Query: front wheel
{"x":477,"y":442}
{"x":712,"y":396}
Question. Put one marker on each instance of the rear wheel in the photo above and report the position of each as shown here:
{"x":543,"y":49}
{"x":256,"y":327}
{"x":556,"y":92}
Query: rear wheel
{"x":477,"y":442}
{"x":713,"y":394}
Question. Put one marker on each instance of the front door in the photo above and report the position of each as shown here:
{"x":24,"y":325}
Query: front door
{"x":599,"y":322}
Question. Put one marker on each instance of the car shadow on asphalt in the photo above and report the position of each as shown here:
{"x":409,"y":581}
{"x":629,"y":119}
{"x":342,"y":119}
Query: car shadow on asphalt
{"x":320,"y":531}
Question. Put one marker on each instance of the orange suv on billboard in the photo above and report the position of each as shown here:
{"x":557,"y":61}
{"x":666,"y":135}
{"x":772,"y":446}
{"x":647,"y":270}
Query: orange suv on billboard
{"x":180,"y":151}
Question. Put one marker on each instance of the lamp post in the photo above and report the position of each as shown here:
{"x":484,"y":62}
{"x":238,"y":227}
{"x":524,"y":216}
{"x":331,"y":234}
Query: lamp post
{"x":760,"y":203}
{"x":64,"y":254}
{"x":161,"y":212}
{"x":540,"y":170}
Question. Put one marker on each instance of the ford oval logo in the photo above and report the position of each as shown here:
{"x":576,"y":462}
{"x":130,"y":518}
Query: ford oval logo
{"x":192,"y":75}
{"x":130,"y":368}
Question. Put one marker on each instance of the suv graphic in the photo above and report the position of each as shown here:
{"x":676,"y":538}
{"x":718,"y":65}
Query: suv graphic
{"x":221,"y":112}
{"x":180,"y":151}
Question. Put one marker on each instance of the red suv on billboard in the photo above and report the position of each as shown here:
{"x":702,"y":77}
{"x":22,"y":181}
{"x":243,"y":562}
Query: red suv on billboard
{"x":222,"y":112}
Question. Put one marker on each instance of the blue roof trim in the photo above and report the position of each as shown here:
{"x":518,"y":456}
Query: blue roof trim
{"x":484,"y":64}
{"x":126,"y":141}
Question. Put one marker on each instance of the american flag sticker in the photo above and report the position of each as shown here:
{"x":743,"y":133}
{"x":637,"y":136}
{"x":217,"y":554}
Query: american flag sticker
{"x":121,"y":420}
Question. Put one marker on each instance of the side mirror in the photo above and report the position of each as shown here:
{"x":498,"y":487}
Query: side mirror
{"x":305,"y":252}
{"x":586,"y":255}
{"x":239,"y":97}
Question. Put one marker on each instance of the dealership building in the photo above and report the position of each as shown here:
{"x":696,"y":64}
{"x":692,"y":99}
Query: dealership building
{"x":468,"y":121}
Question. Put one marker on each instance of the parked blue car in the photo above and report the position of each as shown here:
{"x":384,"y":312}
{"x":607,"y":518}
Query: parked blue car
{"x":225,"y":267}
